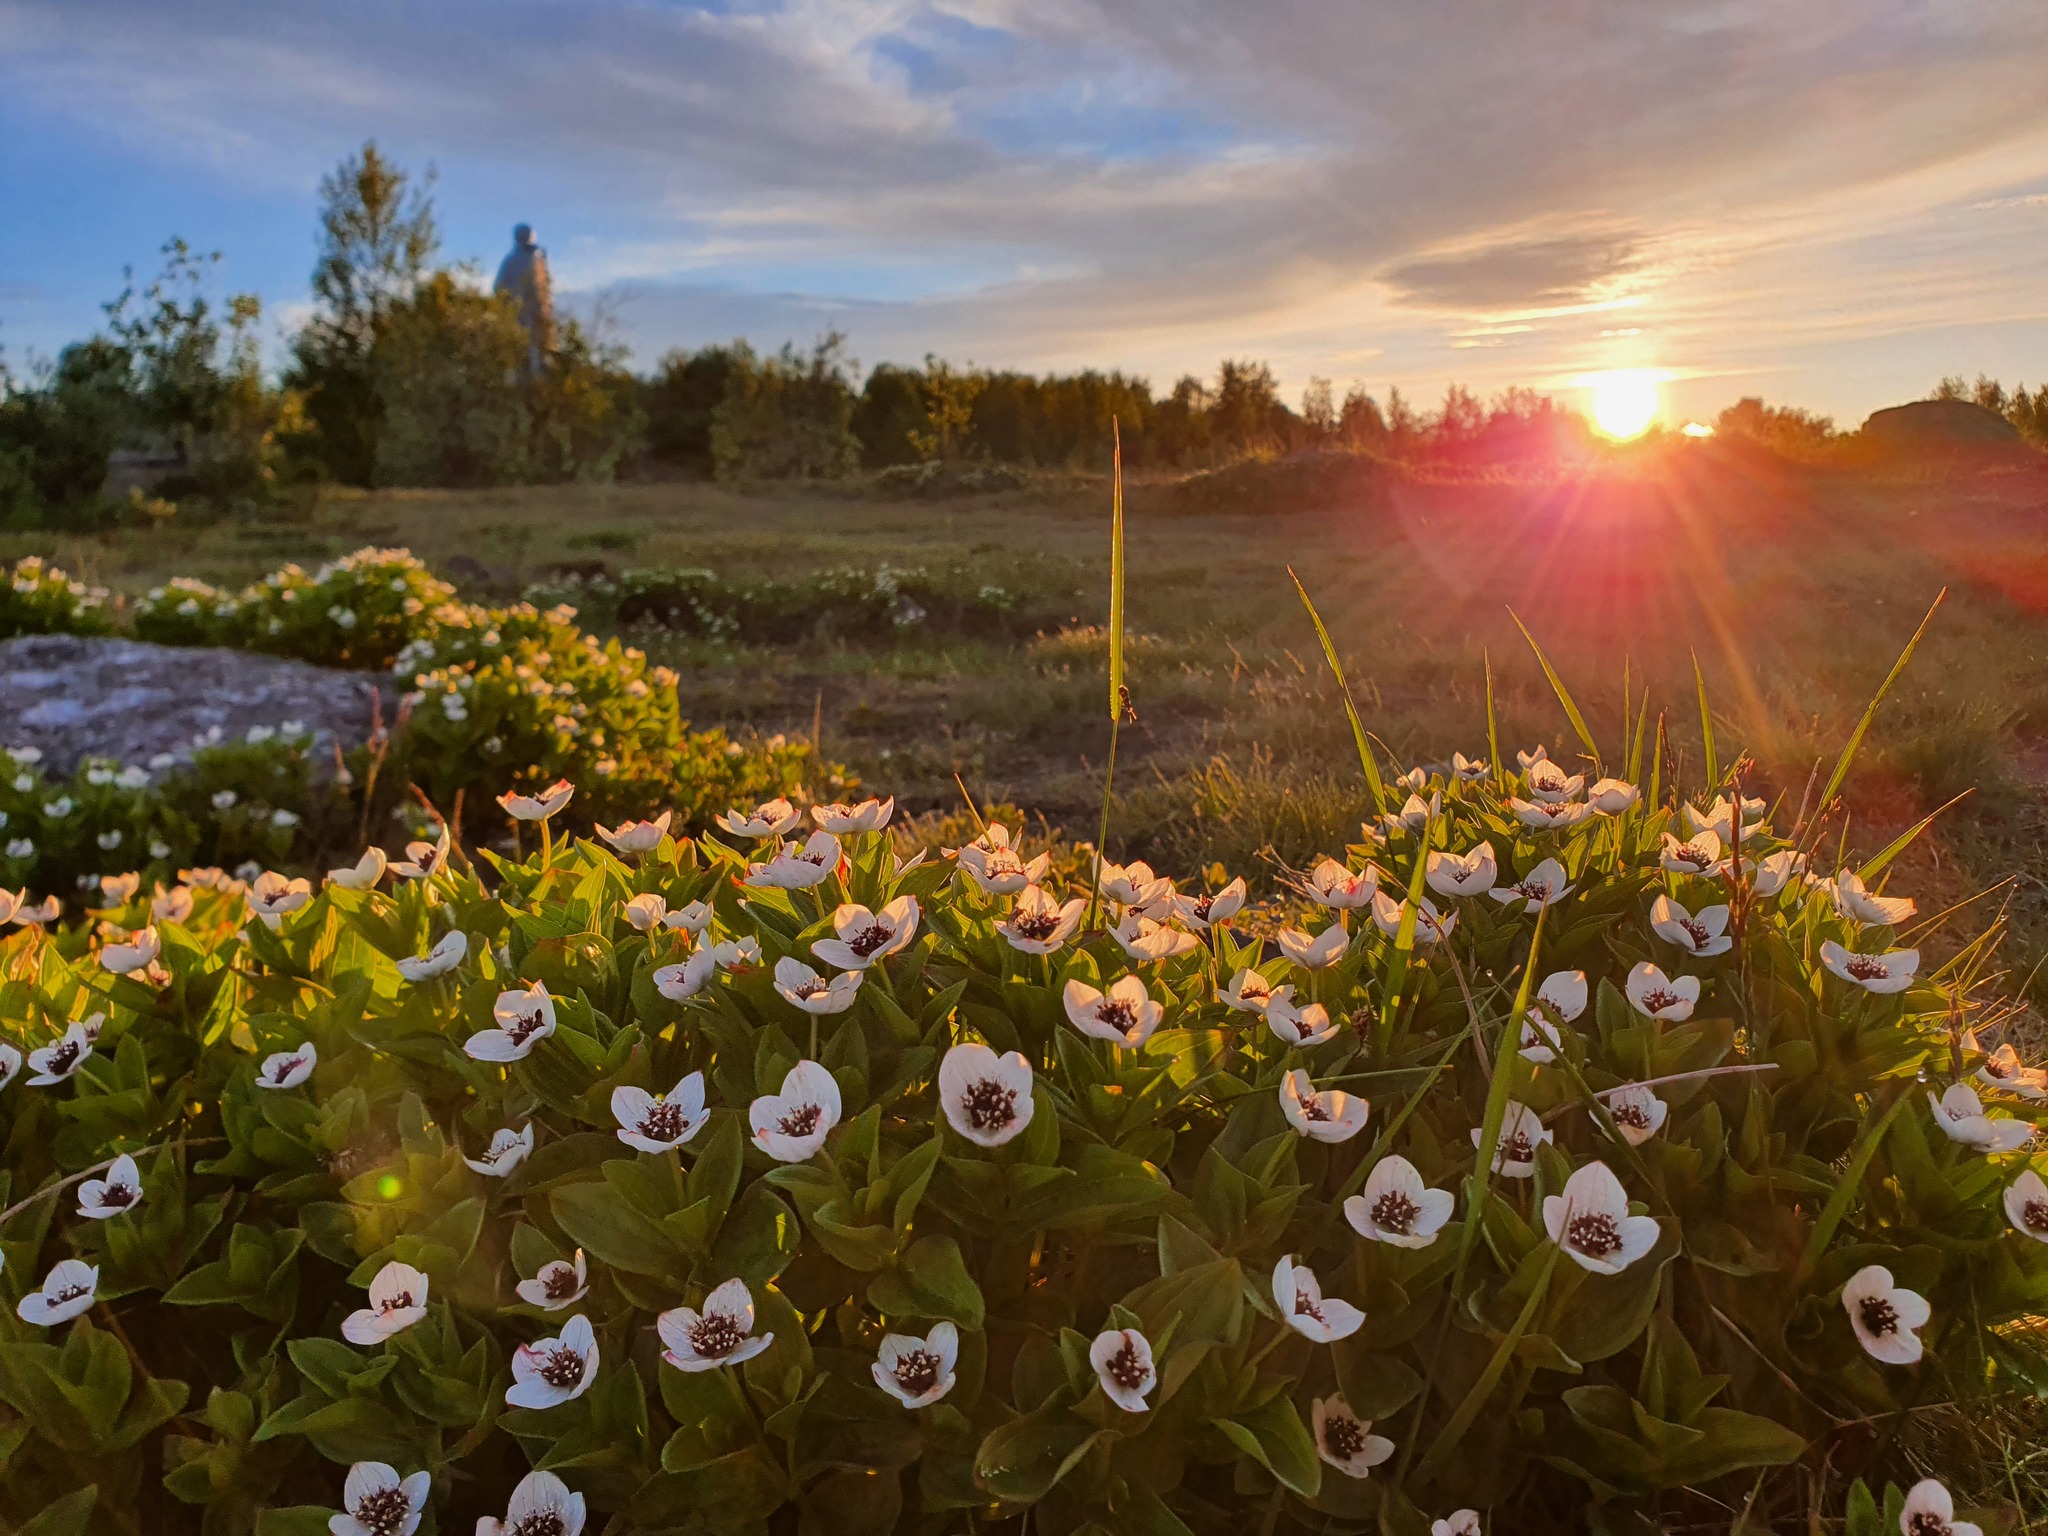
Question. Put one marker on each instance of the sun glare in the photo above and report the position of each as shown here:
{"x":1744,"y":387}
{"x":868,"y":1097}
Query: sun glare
{"x":1625,"y":402}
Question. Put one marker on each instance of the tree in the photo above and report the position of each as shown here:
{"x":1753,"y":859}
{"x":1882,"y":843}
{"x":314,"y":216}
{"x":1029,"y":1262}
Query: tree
{"x":447,"y":381}
{"x":788,"y":415}
{"x":378,"y":244}
{"x":1319,"y":410}
{"x":681,"y":398}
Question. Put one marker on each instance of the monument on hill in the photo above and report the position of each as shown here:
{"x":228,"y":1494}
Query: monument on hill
{"x":524,"y":274}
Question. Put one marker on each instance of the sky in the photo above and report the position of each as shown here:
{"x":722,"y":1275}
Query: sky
{"x":1831,"y":203}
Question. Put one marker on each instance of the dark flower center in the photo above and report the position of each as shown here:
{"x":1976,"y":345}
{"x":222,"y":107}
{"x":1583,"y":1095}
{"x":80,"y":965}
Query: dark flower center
{"x":542,"y":1522}
{"x":662,"y":1122}
{"x":800,"y":1121}
{"x":119,"y":1195}
{"x":917,"y":1371}
{"x":2035,"y":1214}
{"x":1867,"y":968}
{"x":990,"y":1106}
{"x":1127,"y":1370}
{"x":1117,"y":1014}
{"x":1306,"y":1304}
{"x":810,"y":989}
{"x":1395,"y":1212}
{"x":1697,"y":932}
{"x":426,"y":861}
{"x":71,"y":1293}
{"x":1660,"y":997}
{"x":1304,"y":1026}
{"x":1345,"y":1437}
{"x":1879,"y":1316}
{"x":716,"y":1335}
{"x":1201,"y":908}
{"x":562,"y":1368}
{"x":63,"y":1056}
{"x":287,"y":1067}
{"x":870,"y":939}
{"x":397,"y":1303}
{"x":1534,"y":890}
{"x":1035,"y":926}
{"x":1596,"y":1235}
{"x":522,"y":1027}
{"x":1994,"y":1066}
{"x":383,"y":1512}
{"x":1517,"y":1148}
{"x":1631,"y":1114}
{"x":1924,"y":1522}
{"x":560,"y":1283}
{"x":1312,"y":1108}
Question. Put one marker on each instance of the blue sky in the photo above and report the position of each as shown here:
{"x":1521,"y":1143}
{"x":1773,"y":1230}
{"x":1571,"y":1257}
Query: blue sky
{"x":1829,"y":202}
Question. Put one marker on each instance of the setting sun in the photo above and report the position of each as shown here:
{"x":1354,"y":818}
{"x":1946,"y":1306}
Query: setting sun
{"x":1625,"y":401}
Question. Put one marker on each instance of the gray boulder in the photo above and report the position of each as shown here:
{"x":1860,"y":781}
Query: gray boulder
{"x":80,"y":696}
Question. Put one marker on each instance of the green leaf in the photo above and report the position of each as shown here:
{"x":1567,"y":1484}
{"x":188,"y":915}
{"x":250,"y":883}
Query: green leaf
{"x":1366,"y":760}
{"x":1571,"y":709}
{"x":1022,"y":1461}
{"x":1884,"y":688}
{"x":66,"y":1517}
{"x":931,"y":1280}
{"x":1275,"y":1437}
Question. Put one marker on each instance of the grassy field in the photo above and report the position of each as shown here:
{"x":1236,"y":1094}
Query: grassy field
{"x":1796,"y":590}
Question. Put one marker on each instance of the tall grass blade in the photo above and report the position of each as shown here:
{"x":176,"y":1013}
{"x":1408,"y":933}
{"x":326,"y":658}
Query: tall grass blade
{"x":1365,"y":758}
{"x":1874,"y":866}
{"x":1852,"y":1180}
{"x":1564,"y":697}
{"x":1635,"y":747}
{"x":1404,"y":939}
{"x":1706,"y":726}
{"x":1863,"y":726}
{"x":1504,"y":1058}
{"x":1492,"y":727}
{"x":1116,"y":573}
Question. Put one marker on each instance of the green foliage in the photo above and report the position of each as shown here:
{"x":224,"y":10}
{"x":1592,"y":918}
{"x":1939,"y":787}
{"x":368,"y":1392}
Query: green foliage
{"x":681,"y":400}
{"x":40,"y":599}
{"x":1787,"y":1146}
{"x":787,"y":416}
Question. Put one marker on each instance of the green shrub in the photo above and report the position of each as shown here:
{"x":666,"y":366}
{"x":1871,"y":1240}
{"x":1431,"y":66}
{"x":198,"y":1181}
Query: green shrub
{"x":1652,"y":1239}
{"x":39,"y":599}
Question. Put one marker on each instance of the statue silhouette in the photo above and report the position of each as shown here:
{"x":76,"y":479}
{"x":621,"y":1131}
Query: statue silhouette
{"x":524,"y":274}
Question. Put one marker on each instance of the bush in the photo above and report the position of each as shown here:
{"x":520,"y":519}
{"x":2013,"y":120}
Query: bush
{"x":1637,"y":1239}
{"x":786,"y":416}
{"x":39,"y":599}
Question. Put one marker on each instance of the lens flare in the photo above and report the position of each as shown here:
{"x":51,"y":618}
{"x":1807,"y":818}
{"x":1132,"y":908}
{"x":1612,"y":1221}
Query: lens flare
{"x":1625,"y":402}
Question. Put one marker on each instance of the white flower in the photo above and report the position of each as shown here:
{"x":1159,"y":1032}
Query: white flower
{"x":537,"y":807}
{"x":2002,"y":1069}
{"x":1132,"y":885}
{"x":1461,"y":874}
{"x":288,"y":1069}
{"x":1469,"y":769}
{"x":1702,"y":934}
{"x":284,"y":818}
{"x":1303,"y":1026}
{"x":1548,"y":818}
{"x":20,"y":848}
{"x":692,"y":918}
{"x":842,"y":819}
{"x":806,"y":989}
{"x":444,"y":957}
{"x":680,"y":982}
{"x":644,"y":911}
{"x":172,"y":906}
{"x":1884,"y":1316}
{"x":798,"y":868}
{"x":1304,"y":1309}
{"x":1431,"y":926}
{"x":1462,"y":1522}
{"x":1397,"y":1207}
{"x":1145,"y":940}
{"x":526,"y":1016}
{"x":771,"y":818}
{"x":542,"y":1505}
{"x":1248,"y":992}
{"x":1889,"y":972}
{"x":376,"y":1502}
{"x":560,"y":1283}
{"x":551,"y":1371}
{"x":1346,"y":1441}
{"x":10,"y":1063}
{"x":1719,"y":818}
{"x":1590,"y":1221}
{"x":1326,"y":1115}
{"x":1414,"y":814}
{"x":109,"y":840}
{"x":54,"y":1063}
{"x":1929,"y":1511}
{"x":1563,"y":994}
{"x":722,"y":1334}
{"x":1610,"y":797}
{"x":1671,"y":999}
{"x":986,"y":1097}
{"x":224,"y":799}
{"x":1123,"y":1014}
{"x":508,"y":1149}
{"x":1698,"y":855}
{"x":1960,"y":1113}
{"x":1770,"y":874}
{"x":423,"y":859}
{"x":637,"y":836}
{"x":1038,"y":924}
{"x":1212,"y":911}
{"x":863,"y":937}
{"x":271,"y":896}
{"x":67,"y":1290}
{"x":1331,"y":884}
{"x":2026,"y":1205}
{"x":1551,"y":784}
{"x":918,"y":1371}
{"x":119,"y":1191}
{"x":118,"y":890}
{"x":996,"y":867}
{"x":11,"y":902}
{"x":656,"y":1122}
{"x":1544,"y":886}
{"x":728,"y":954}
{"x":1314,"y":953}
{"x":1522,"y":1131}
{"x":1638,"y":1113}
{"x":1122,"y":1358}
{"x":791,"y":1126}
{"x":398,"y":1299}
{"x":138,"y":954}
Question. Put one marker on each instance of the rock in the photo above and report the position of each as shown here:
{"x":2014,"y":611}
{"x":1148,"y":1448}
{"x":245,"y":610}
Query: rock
{"x":1941,"y":424}
{"x":80,"y":696}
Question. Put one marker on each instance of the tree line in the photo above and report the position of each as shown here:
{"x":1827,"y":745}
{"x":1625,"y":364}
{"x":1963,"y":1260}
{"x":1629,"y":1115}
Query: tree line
{"x":408,"y":372}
